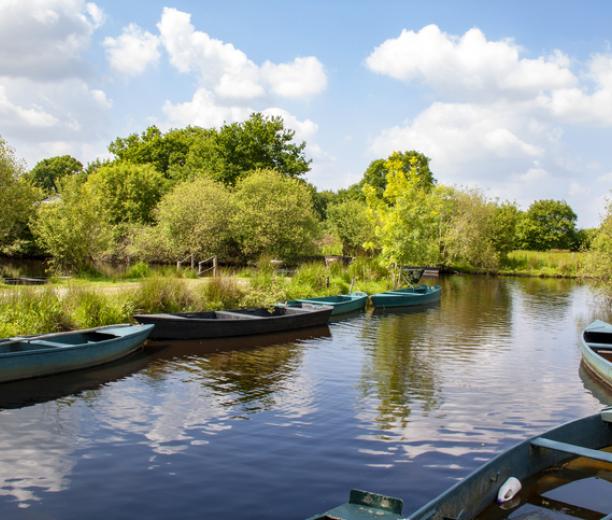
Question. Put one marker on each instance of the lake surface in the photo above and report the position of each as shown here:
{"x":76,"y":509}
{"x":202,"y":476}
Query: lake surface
{"x":398,"y":403}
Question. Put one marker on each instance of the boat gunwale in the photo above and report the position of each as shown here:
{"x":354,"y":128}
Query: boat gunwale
{"x":145,"y":329}
{"x":593,"y":361}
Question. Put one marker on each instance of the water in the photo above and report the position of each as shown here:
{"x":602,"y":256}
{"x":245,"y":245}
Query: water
{"x":398,"y":403}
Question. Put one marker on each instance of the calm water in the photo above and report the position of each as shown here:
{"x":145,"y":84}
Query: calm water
{"x":398,"y":403}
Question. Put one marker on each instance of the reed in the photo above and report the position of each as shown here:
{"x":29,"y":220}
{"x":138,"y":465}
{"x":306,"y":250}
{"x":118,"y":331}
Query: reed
{"x":85,"y":308}
{"x":221,"y":292}
{"x":160,"y":294}
{"x":547,"y":263}
{"x":27,"y":311}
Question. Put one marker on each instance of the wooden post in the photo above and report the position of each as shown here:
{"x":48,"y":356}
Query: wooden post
{"x":214,"y":266}
{"x":192,"y":261}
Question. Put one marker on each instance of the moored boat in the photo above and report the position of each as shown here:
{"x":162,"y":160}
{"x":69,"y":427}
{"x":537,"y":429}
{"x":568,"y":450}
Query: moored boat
{"x":577,"y":453}
{"x":240,"y":322}
{"x":596,"y":348}
{"x":26,"y":357}
{"x":407,"y":297}
{"x":341,"y":304}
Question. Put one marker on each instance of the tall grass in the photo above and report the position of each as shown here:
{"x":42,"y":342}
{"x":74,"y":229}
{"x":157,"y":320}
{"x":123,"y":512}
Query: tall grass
{"x":221,"y":292}
{"x":159,"y":294}
{"x":547,"y":263}
{"x":30,"y":311}
{"x":86,"y":308}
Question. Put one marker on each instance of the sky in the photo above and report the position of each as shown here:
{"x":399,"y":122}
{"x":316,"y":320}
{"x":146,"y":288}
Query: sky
{"x":514,"y":98}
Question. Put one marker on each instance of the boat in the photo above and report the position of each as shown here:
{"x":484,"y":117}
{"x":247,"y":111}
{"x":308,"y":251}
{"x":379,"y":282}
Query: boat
{"x":341,"y":304}
{"x":240,"y":322}
{"x":596,"y":348}
{"x":565,"y":470}
{"x":407,"y":297}
{"x":24,"y":280}
{"x":34,"y":356}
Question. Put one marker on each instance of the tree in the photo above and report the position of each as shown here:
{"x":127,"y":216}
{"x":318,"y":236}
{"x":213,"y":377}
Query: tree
{"x":129,"y":192}
{"x":376,"y":173}
{"x":547,"y":224}
{"x":48,"y":172}
{"x":259,"y":143}
{"x":505,"y":221}
{"x":407,"y":220}
{"x":73,"y":228}
{"x":602,"y":248}
{"x":193,"y":218}
{"x":274,"y":215}
{"x":17,"y":197}
{"x":350,"y":221}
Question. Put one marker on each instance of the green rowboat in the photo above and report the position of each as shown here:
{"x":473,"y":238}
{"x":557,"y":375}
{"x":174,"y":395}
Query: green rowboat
{"x":342,"y":303}
{"x":407,"y":297}
{"x":552,"y":467}
{"x":596,"y":347}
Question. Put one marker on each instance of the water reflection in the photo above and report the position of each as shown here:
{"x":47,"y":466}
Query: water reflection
{"x":401,"y":403}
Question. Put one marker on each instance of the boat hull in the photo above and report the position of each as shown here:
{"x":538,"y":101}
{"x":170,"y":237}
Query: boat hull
{"x":407,"y":297}
{"x":596,"y":350}
{"x":230,"y":323}
{"x":49,"y":356}
{"x":342,"y":304}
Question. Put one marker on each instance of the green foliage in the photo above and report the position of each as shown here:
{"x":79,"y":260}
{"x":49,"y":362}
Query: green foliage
{"x":160,"y":294}
{"x":547,"y":224}
{"x":350,"y":221}
{"x":274,"y":216}
{"x":193,"y":218}
{"x":31,"y":311}
{"x":86,"y":308}
{"x":138,"y":270}
{"x":602,"y":249}
{"x":410,"y":162}
{"x":505,"y":221}
{"x":17,"y":198}
{"x":48,"y":172}
{"x":129,"y":192}
{"x":258,"y":143}
{"x":221,"y":292}
{"x":548,"y":263}
{"x":74,"y":228}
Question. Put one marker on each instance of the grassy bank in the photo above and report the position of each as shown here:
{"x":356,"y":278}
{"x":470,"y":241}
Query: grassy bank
{"x":81,"y":304}
{"x":565,"y":264}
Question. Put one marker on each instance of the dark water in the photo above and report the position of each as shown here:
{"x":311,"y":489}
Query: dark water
{"x":399,"y":403}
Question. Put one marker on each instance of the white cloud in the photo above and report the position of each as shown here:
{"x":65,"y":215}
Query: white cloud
{"x":227,"y":71}
{"x":468,"y":65}
{"x":133,"y":51}
{"x":15,"y":115}
{"x":45,"y":38}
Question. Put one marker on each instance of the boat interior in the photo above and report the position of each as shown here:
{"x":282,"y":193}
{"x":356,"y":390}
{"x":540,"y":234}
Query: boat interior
{"x":243,"y":314}
{"x":46,"y":342}
{"x":602,"y":338}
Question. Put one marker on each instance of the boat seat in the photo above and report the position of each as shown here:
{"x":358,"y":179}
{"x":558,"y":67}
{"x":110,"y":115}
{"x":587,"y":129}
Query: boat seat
{"x":237,"y":315}
{"x":543,"y":442}
{"x":45,"y":343}
{"x":606,"y":414}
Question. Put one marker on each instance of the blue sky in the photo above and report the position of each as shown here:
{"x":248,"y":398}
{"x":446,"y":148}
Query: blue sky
{"x":514,"y":98}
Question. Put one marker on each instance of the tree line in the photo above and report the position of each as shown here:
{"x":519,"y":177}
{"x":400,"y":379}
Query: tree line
{"x":238,"y":192}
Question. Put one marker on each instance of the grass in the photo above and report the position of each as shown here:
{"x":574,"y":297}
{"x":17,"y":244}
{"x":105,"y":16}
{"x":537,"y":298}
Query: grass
{"x":547,"y":263}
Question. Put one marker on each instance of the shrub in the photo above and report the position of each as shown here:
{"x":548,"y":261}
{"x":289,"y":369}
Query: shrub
{"x":158,"y":294}
{"x":221,"y":292}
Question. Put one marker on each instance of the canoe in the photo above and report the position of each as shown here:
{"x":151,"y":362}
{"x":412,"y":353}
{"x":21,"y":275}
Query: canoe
{"x":23,"y":280}
{"x":407,"y":297}
{"x":553,"y":465}
{"x":33,"y":356}
{"x":241,"y":322}
{"x":596,"y":348}
{"x":341,"y":304}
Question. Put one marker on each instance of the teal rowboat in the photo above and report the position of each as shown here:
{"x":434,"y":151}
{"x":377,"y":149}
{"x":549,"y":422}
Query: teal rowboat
{"x":342,"y":303}
{"x":553,"y":467}
{"x":408,"y":297}
{"x":596,"y":347}
{"x":25,"y":357}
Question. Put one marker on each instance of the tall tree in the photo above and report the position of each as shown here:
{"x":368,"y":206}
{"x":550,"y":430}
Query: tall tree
{"x":350,"y":221}
{"x":548,"y":224}
{"x":48,"y":172}
{"x":274,"y":215}
{"x":17,"y":197}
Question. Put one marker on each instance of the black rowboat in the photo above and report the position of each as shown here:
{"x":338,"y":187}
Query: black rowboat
{"x":241,"y":322}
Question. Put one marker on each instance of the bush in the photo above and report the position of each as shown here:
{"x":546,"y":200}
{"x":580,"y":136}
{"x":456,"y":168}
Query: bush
{"x":87,"y":309}
{"x":221,"y":292}
{"x":138,"y":270}
{"x":158,"y":294}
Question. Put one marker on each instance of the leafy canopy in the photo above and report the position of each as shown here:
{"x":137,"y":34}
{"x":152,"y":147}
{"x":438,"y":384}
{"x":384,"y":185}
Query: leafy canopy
{"x":48,"y":172}
{"x":548,"y":224}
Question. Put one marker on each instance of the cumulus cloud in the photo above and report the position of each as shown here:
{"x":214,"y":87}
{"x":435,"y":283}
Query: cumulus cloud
{"x":44,"y":39}
{"x":133,"y":51}
{"x":227,"y":71}
{"x":468,"y":65}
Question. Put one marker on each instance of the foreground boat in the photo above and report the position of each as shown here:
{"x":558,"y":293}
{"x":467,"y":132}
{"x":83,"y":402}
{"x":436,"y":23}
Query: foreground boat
{"x":22,"y":358}
{"x":596,"y":350}
{"x":241,"y":322}
{"x":407,"y":297}
{"x":577,"y":445}
{"x":341,"y":304}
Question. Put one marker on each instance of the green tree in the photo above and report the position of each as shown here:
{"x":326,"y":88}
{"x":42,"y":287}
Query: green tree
{"x":17,"y":197}
{"x":547,"y":224}
{"x":48,"y":172}
{"x":505,"y":221}
{"x":407,"y":220}
{"x":258,"y":143}
{"x":409,"y":161}
{"x":130,"y":192}
{"x":274,"y":215}
{"x":73,"y":228}
{"x":193,"y":218}
{"x":602,"y":248}
{"x":350,"y":221}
